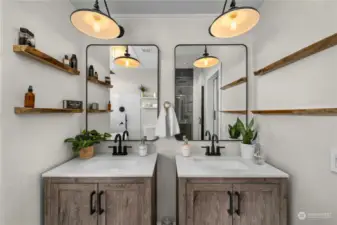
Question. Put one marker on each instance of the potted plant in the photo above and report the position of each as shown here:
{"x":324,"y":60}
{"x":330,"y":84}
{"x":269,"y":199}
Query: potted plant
{"x":248,"y":136}
{"x":83,"y":143}
{"x":142,"y":89}
{"x":233,"y":131}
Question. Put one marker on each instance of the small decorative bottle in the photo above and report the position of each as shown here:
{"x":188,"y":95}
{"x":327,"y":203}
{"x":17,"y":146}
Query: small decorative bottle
{"x":30,"y":98}
{"x":66,"y":60}
{"x":96,"y":75}
{"x":109,"y":106}
{"x":143,"y":147}
{"x":186,"y":148}
{"x":91,"y":71}
{"x":73,"y":62}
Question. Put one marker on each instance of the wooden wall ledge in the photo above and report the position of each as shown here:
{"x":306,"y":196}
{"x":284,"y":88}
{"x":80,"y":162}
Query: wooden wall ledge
{"x":234,"y":111}
{"x":102,"y":83}
{"x":44,"y":58}
{"x":23,"y":110}
{"x":99,"y":111}
{"x":317,"y":111}
{"x":234,"y":83}
{"x":301,"y":54}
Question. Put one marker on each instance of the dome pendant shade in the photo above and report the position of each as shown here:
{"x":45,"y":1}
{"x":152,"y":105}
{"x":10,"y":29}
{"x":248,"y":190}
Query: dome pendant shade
{"x":206,"y":61}
{"x":95,"y":23}
{"x":234,"y":22}
{"x":127,"y":61}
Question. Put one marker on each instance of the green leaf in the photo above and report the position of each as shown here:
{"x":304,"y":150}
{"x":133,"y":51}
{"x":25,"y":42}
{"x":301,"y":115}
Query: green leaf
{"x":251,"y":124}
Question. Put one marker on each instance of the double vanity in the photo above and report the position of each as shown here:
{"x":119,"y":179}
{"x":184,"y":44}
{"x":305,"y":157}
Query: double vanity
{"x":121,"y":190}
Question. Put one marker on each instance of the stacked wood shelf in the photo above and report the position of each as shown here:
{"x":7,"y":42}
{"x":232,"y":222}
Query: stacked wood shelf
{"x":44,"y":58}
{"x":102,"y":83}
{"x":301,"y":54}
{"x":234,"y":83}
{"x":99,"y":111}
{"x":23,"y":110}
{"x":316,"y":111}
{"x":235,"y":111}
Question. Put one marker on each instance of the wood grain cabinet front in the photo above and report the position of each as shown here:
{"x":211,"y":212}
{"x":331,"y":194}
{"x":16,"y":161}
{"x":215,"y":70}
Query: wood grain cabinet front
{"x":217,"y":201}
{"x":80,"y":201}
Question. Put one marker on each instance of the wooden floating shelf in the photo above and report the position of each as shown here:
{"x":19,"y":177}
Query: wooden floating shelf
{"x":301,"y":54}
{"x":102,"y":83}
{"x":235,"y":83}
{"x":234,"y":111}
{"x":44,"y":58}
{"x":317,"y":111}
{"x":23,"y":110}
{"x":99,"y":111}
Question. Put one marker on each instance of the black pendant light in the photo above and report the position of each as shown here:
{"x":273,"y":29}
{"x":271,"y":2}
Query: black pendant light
{"x":95,"y":23}
{"x":206,"y":60}
{"x":126,"y":60}
{"x":234,"y":22}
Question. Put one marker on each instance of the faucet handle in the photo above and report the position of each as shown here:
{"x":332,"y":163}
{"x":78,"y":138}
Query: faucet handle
{"x":114,"y":150}
{"x":125,"y":150}
{"x":218,"y":153}
{"x":207,"y":150}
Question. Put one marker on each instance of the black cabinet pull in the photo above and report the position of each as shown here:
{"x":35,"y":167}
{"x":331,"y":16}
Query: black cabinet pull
{"x":100,"y":210}
{"x":238,"y":210}
{"x":230,"y":210}
{"x":92,"y":209}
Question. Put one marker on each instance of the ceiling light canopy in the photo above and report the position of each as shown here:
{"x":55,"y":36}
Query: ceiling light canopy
{"x":206,"y":60}
{"x":234,"y":22}
{"x":126,"y":60}
{"x":94,"y":23}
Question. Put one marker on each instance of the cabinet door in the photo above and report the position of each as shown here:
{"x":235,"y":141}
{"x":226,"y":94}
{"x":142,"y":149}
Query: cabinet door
{"x":70,"y":204}
{"x":122,"y":204}
{"x":208,"y":204}
{"x":259,"y":204}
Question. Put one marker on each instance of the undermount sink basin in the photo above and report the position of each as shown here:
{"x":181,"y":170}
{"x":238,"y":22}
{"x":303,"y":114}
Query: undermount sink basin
{"x":223,"y":164}
{"x":110,"y":164}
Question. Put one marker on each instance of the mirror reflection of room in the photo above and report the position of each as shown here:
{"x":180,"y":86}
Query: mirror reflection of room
{"x":204,"y":103}
{"x":126,"y":103}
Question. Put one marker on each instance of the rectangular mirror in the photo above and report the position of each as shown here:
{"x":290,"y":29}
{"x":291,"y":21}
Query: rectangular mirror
{"x":210,"y":89}
{"x":123,"y":90}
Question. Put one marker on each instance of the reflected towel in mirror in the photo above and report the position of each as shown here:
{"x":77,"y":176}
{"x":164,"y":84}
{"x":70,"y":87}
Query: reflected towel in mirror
{"x":167,"y":123}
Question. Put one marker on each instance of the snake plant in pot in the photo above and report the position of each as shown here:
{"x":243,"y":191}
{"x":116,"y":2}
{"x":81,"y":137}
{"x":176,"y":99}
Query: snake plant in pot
{"x":83,"y":143}
{"x":233,"y":131}
{"x":248,"y":136}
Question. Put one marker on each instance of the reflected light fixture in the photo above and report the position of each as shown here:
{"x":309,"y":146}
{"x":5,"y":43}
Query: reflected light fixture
{"x":95,"y":23}
{"x":234,"y":22}
{"x":126,"y":60}
{"x":206,"y":60}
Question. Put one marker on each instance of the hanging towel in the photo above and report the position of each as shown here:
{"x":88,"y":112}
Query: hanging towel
{"x":167,"y":123}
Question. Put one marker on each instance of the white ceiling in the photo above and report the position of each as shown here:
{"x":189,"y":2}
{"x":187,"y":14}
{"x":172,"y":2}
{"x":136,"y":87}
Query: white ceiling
{"x":228,"y":55}
{"x":164,"y":6}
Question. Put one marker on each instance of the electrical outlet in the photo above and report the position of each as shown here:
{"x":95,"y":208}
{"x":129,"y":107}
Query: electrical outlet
{"x":333,"y":160}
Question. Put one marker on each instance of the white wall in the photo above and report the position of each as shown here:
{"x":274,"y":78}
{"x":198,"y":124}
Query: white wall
{"x":300,"y":145}
{"x":32,"y":144}
{"x":167,"y":32}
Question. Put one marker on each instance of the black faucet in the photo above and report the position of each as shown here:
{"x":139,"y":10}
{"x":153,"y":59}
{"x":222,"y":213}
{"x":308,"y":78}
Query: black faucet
{"x":119,"y":150}
{"x":207,"y":133}
{"x":215,"y":151}
{"x":125,"y":134}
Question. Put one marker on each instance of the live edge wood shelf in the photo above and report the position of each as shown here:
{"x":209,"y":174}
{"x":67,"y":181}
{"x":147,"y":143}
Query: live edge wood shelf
{"x":317,"y":111}
{"x":23,"y":110}
{"x":234,"y":83}
{"x":99,"y":111}
{"x":102,"y":83}
{"x":301,"y":54}
{"x":44,"y":58}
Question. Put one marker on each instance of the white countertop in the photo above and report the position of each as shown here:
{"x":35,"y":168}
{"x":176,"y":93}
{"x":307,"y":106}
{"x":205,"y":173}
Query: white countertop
{"x":106,"y":165}
{"x":224,"y":167}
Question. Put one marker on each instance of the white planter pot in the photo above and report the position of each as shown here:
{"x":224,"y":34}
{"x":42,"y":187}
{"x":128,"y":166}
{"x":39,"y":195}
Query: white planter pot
{"x":247,"y":151}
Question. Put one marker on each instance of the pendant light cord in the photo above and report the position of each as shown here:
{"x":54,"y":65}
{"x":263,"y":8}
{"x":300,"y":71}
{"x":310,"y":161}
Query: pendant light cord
{"x":107,"y":8}
{"x":224,"y":7}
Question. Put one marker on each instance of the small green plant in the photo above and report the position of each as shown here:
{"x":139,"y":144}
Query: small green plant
{"x":233,"y":131}
{"x":142,"y":88}
{"x":86,"y":139}
{"x":247,"y":132}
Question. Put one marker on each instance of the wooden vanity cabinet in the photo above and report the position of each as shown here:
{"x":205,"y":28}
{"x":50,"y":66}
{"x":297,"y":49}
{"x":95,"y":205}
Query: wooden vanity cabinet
{"x":99,"y":201}
{"x":215,"y":201}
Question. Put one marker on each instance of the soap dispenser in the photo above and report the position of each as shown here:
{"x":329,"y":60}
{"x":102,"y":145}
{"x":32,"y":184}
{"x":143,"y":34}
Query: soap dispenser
{"x":143,"y":147}
{"x":186,"y":148}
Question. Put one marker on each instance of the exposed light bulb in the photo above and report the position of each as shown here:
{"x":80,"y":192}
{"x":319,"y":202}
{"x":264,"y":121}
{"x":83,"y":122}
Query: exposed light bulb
{"x":127,"y":63}
{"x":206,"y":62}
{"x":96,"y":27}
{"x":233,"y":25}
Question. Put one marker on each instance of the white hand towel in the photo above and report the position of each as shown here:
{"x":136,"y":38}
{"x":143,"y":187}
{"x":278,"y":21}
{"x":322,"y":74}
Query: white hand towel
{"x":167,"y":123}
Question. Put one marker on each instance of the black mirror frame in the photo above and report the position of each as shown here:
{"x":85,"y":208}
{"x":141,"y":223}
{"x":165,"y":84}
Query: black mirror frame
{"x":87,"y":75}
{"x":247,"y":71}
